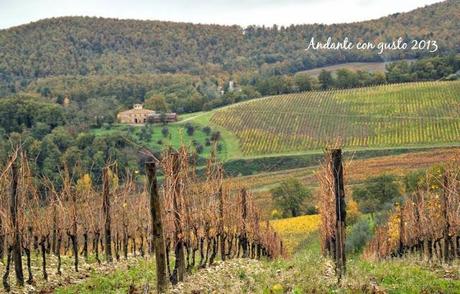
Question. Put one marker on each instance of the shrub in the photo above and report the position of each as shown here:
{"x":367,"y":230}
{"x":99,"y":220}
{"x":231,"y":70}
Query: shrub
{"x":198,"y":147}
{"x":206,"y":130}
{"x":275,"y":214}
{"x":190,"y":129}
{"x":353,"y":212}
{"x":277,"y":289}
{"x":219,"y":147}
{"x":215,"y":136}
{"x":310,"y":210}
{"x":359,"y":235}
{"x":289,"y":196}
{"x":165,"y":131}
{"x":376,"y":192}
{"x":146,"y":133}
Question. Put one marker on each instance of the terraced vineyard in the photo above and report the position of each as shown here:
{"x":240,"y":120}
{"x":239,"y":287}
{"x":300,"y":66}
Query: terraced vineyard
{"x":382,"y":116}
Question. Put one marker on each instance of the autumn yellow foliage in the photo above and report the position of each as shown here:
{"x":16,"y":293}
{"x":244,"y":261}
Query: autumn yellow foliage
{"x":295,"y":229}
{"x":84,"y":184}
{"x":353,"y":212}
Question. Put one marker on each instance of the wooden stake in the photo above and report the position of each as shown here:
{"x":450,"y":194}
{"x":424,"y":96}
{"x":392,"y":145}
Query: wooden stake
{"x":17,"y":255}
{"x":340,"y":210}
{"x":106,"y":208}
{"x":157,"y":228}
{"x":445,"y":215}
{"x":244,"y":209}
{"x":179,"y":265}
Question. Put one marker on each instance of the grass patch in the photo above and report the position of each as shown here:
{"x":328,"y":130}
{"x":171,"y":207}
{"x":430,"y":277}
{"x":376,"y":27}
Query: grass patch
{"x":139,"y":276}
{"x":178,"y":136}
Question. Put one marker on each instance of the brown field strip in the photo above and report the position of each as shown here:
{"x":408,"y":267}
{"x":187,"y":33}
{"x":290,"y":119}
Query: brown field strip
{"x":355,"y":172}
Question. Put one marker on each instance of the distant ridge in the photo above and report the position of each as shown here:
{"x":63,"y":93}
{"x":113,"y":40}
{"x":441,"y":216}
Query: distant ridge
{"x":102,"y":46}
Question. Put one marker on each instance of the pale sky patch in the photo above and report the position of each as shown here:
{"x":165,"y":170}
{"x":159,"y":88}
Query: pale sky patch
{"x":240,"y":12}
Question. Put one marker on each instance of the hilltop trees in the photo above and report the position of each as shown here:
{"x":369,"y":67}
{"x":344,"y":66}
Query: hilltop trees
{"x":346,"y":79}
{"x":74,"y":46}
{"x":95,"y":100}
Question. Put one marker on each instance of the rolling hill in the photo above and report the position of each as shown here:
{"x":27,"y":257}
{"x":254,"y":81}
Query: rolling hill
{"x":85,"y":46}
{"x":413,"y":114}
{"x":292,"y":129}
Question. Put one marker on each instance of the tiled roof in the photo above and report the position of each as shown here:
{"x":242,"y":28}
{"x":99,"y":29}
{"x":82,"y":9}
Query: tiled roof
{"x":137,"y":111}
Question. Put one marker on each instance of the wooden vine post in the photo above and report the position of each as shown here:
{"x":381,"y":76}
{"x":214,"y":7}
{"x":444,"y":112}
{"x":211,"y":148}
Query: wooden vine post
{"x":401,"y":230}
{"x":74,"y":228}
{"x":220,"y":196}
{"x":340,"y":210}
{"x":157,"y":228}
{"x":17,"y":254}
{"x":445,"y":216}
{"x":106,"y":208}
{"x":244,"y":209}
{"x":179,"y":252}
{"x":2,"y":240}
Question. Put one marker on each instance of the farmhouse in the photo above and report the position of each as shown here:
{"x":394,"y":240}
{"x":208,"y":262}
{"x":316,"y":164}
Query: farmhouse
{"x":139,"y":115}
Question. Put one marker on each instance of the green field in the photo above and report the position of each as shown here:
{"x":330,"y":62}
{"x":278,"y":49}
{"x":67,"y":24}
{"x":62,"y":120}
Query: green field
{"x":177,"y":135}
{"x":414,"y":114}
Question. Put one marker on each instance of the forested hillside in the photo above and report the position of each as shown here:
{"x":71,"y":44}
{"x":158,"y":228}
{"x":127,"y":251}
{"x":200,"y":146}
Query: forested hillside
{"x":97,"y":46}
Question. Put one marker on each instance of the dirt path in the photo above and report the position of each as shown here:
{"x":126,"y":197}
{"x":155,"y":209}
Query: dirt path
{"x":232,"y":276}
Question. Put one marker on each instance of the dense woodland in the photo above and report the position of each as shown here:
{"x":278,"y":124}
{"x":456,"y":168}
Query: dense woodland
{"x":190,"y":64}
{"x":97,"y":46}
